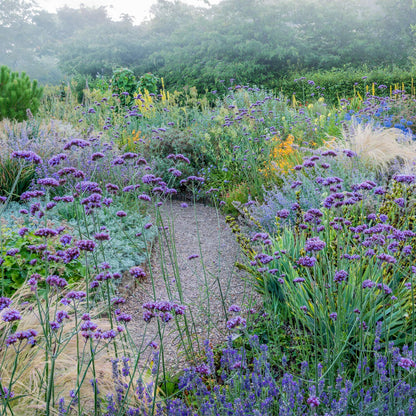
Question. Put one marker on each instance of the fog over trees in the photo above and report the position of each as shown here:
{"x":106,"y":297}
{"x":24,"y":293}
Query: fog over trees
{"x":254,"y":41}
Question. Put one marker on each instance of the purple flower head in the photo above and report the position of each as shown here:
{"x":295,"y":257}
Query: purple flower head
{"x":340,"y":276}
{"x":102,"y":236}
{"x":193,"y":256}
{"x":61,"y":315}
{"x":309,"y":164}
{"x":45,"y":232}
{"x":86,"y":245}
{"x":50,"y":205}
{"x":383,"y":217}
{"x":96,"y":156}
{"x":386,"y":258}
{"x":76,"y":142}
{"x":163,"y":309}
{"x":307,"y":261}
{"x":5,"y":302}
{"x":23,"y":231}
{"x":56,"y":281}
{"x":313,"y":401}
{"x":298,"y":280}
{"x":117,"y":161}
{"x":400,"y":202}
{"x":386,"y":289}
{"x":295,"y":184}
{"x":129,"y":155}
{"x":333,"y":316}
{"x":144,"y":197}
{"x":31,"y":194}
{"x":88,"y":186}
{"x":56,"y":160}
{"x":137,"y":273}
{"x":29,"y":335}
{"x":404,"y":178}
{"x":237,"y":322}
{"x":284,"y":213}
{"x":123,"y":317}
{"x":203,"y":369}
{"x":65,"y":239}
{"x":314,"y":244}
{"x":406,"y":363}
{"x":11,"y":315}
{"x":12,"y":252}
{"x":112,"y":188}
{"x":48,"y":182}
{"x":28,"y":156}
{"x":234,"y":308}
{"x":118,"y":301}
{"x":329,"y":153}
{"x":368,"y":284}
{"x":349,"y":153}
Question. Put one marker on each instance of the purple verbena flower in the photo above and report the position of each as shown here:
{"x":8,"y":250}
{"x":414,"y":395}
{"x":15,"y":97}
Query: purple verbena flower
{"x":340,"y":276}
{"x":86,"y":245}
{"x":314,"y":244}
{"x":307,"y":261}
{"x":11,"y":315}
{"x":137,"y":272}
{"x":28,"y":156}
{"x":236,"y":322}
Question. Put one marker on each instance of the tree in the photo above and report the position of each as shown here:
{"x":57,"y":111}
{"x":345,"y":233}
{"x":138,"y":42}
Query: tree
{"x":17,"y":95}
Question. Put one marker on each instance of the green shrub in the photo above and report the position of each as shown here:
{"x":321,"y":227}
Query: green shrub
{"x":17,"y":268}
{"x":148,"y":82}
{"x":123,"y":80}
{"x":18,"y":95}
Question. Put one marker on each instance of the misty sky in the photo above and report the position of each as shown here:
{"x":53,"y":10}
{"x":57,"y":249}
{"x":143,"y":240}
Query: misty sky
{"x":137,"y":8}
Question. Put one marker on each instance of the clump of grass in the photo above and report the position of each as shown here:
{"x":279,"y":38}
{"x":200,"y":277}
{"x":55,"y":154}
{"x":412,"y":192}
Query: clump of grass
{"x":74,"y":366}
{"x":378,"y":147}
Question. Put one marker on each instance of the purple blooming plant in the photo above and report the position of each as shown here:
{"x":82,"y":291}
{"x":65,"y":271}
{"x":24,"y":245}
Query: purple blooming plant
{"x":338,"y":259}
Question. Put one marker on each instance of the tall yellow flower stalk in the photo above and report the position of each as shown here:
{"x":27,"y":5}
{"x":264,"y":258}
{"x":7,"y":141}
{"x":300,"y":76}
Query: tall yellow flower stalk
{"x":147,"y":101}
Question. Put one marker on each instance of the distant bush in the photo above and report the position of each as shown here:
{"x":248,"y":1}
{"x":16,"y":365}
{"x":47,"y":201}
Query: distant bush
{"x":122,"y":82}
{"x":17,"y":95}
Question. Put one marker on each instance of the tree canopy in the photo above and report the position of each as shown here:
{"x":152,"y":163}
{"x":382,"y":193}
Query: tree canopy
{"x":254,"y":41}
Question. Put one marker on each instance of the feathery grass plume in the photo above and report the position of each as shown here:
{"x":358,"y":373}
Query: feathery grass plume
{"x":28,"y":386}
{"x":378,"y":147}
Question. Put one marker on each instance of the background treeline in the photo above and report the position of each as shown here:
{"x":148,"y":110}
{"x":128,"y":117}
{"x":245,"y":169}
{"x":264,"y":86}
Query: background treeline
{"x":253,"y":41}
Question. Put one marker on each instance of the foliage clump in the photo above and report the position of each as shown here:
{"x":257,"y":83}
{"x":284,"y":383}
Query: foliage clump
{"x":19,"y":97}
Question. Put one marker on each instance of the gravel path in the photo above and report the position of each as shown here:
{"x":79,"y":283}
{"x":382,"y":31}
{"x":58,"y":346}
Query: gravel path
{"x":207,"y":284}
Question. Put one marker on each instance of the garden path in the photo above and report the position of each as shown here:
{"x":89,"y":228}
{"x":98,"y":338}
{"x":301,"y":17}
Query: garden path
{"x":207,"y":282}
